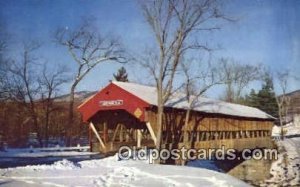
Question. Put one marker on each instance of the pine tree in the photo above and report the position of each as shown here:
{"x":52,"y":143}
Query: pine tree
{"x":122,"y":75}
{"x":252,"y":99}
{"x":265,"y":99}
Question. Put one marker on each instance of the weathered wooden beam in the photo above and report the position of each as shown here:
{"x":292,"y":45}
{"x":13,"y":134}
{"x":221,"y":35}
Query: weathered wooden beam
{"x":208,"y":136}
{"x":237,"y":134}
{"x":90,"y":139}
{"x":105,"y":132}
{"x":121,"y":133}
{"x":128,"y":135}
{"x":231,"y":135}
{"x":197,"y":136}
{"x":151,"y":132}
{"x":97,"y":135}
{"x":139,"y":137}
{"x":133,"y":133}
{"x":116,"y":132}
{"x":202,"y":136}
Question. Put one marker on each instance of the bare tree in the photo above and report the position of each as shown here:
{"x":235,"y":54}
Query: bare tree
{"x":3,"y":68}
{"x":88,"y":49}
{"x":174,"y":23}
{"x":3,"y":39}
{"x":24,"y":87}
{"x":283,"y":100}
{"x":238,"y":77}
{"x":50,"y":81}
{"x":3,"y":61}
{"x":196,"y":84}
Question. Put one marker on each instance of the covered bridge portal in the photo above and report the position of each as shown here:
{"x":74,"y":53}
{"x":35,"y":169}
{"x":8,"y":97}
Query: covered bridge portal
{"x":125,"y":114}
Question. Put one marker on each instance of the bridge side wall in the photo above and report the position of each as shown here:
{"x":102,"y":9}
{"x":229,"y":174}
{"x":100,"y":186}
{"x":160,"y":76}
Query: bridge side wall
{"x":213,"y":130}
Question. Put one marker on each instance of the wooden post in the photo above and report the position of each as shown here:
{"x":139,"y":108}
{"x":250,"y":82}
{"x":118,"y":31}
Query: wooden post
{"x":116,"y":132}
{"x":134,"y":133}
{"x":121,"y":133}
{"x":151,"y":132}
{"x":230,"y":135}
{"x":90,"y":139}
{"x":97,"y":135}
{"x":202,"y":135}
{"x":198,"y":136}
{"x":237,"y":134}
{"x":139,"y":137}
{"x":208,"y":136}
{"x":105,"y":132}
{"x":127,"y":136}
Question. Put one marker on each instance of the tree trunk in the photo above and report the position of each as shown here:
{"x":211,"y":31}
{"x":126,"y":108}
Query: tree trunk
{"x":186,"y":123}
{"x":69,"y":125}
{"x":186,"y":142}
{"x":160,"y":111}
{"x":47,"y":125}
{"x":36,"y":128}
{"x":159,"y":122}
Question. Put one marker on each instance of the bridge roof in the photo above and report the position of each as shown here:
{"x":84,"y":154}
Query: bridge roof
{"x":203,"y":104}
{"x":143,"y":96}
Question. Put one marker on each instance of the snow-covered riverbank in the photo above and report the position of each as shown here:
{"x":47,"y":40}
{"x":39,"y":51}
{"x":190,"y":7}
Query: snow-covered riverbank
{"x":286,"y":170}
{"x":111,"y":172}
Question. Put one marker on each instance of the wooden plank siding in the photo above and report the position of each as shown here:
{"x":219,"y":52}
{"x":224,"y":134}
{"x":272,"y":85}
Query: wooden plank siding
{"x":214,"y":130}
{"x":204,"y":130}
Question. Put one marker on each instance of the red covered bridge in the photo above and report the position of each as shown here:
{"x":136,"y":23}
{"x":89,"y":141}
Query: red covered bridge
{"x":125,"y":114}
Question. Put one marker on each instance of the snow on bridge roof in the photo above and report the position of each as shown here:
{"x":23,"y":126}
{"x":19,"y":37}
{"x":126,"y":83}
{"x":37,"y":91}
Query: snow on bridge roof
{"x":179,"y":101}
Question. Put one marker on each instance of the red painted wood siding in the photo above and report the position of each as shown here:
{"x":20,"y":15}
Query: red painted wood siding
{"x":110,"y":93}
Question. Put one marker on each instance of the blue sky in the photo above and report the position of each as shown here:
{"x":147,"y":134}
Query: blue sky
{"x":266,"y":32}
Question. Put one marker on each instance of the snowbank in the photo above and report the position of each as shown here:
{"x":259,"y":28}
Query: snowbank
{"x":286,"y":170}
{"x":289,"y":130}
{"x":111,"y":172}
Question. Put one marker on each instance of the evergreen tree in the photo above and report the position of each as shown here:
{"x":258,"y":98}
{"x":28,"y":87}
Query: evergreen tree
{"x":252,"y":99}
{"x":265,"y":99}
{"x":121,"y":75}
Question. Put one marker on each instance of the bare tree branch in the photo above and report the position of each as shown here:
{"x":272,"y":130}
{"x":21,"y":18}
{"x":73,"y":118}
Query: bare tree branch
{"x":88,"y":49}
{"x":24,"y":86}
{"x":50,"y":82}
{"x":283,"y":100}
{"x":173,"y":23}
{"x":238,"y":77}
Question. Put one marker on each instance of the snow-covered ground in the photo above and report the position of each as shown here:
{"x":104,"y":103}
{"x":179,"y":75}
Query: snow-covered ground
{"x":286,"y":170}
{"x":113,"y":172}
{"x":289,"y":130}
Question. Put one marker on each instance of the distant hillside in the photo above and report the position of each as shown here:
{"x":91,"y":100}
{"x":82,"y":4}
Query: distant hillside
{"x":295,"y":102}
{"x":79,"y":96}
